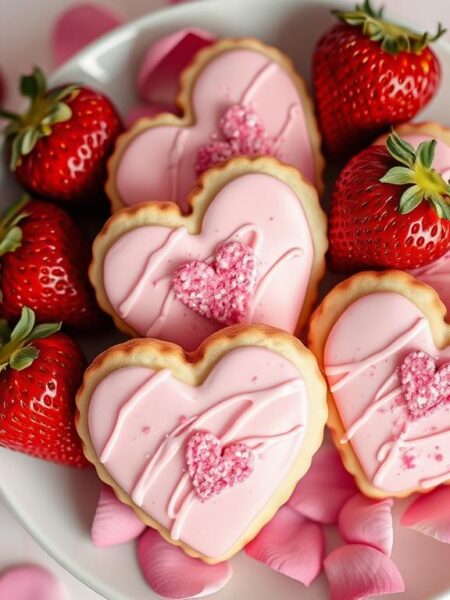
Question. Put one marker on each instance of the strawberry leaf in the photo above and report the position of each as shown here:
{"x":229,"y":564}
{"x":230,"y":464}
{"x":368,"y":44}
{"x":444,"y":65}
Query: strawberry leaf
{"x":24,"y":326}
{"x":5,"y":332}
{"x":410,"y":199}
{"x":426,"y":152}
{"x":23,"y":358}
{"x":33,"y":85}
{"x":441,"y":207}
{"x":11,"y":241}
{"x":43,"y":331}
{"x":401,"y":150}
{"x":399,"y":176}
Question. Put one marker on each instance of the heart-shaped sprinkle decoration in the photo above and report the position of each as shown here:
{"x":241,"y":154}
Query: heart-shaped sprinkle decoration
{"x":221,"y":289}
{"x":244,"y":135}
{"x":212,"y":468}
{"x":424,"y":387}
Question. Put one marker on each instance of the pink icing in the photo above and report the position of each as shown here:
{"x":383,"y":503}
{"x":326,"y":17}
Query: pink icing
{"x":255,"y":209}
{"x":363,"y":354}
{"x":437,"y":273}
{"x":252,"y":396}
{"x":241,"y":76}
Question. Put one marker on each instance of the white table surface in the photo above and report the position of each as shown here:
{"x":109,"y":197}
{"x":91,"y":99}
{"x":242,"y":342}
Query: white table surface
{"x":24,"y":42}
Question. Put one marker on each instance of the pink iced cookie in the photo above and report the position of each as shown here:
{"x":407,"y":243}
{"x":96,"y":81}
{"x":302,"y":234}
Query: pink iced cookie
{"x":251,"y":251}
{"x":30,"y":583}
{"x":437,"y":273}
{"x":229,"y":73}
{"x":385,"y":350}
{"x":204,"y":446}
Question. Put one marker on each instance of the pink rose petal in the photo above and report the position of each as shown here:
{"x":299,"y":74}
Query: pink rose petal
{"x":325,"y":488}
{"x":158,"y":78}
{"x":114,"y":522}
{"x":356,"y":572}
{"x":430,"y":514}
{"x":173,"y":574}
{"x":147,"y":111}
{"x":79,"y":26}
{"x":369,"y":522}
{"x":291,"y":545}
{"x":30,"y":582}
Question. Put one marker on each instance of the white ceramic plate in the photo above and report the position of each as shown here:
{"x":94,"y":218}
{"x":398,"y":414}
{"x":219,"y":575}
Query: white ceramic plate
{"x":56,"y":504}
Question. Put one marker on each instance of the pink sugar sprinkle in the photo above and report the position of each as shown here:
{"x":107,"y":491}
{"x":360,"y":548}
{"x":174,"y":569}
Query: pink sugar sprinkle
{"x":408,"y":461}
{"x":244,"y":135}
{"x":424,"y":388}
{"x":438,"y":457}
{"x":220,"y":290}
{"x":212,"y":469}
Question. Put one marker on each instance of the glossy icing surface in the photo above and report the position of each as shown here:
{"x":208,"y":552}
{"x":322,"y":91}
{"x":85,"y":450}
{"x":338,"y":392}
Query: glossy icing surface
{"x":255,"y":209}
{"x":362,"y":356}
{"x":240,"y":76}
{"x":437,"y":273}
{"x":139,"y":421}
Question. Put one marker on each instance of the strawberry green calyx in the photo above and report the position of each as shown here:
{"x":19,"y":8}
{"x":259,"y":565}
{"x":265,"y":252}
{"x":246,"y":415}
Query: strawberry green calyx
{"x":416,"y":171}
{"x":16,"y":349}
{"x":393,"y":38}
{"x":46,"y":109}
{"x":10,"y":232}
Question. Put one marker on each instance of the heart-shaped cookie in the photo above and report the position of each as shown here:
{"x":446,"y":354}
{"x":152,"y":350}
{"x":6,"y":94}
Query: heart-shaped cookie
{"x":204,"y":446}
{"x":384,"y":346}
{"x":259,"y":205}
{"x":231,"y":73}
{"x":437,"y":273}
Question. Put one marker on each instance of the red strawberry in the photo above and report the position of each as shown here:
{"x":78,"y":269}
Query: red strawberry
{"x":389,"y":209}
{"x":40,"y":373}
{"x":59,"y":148}
{"x":369,"y":74}
{"x":44,"y":259}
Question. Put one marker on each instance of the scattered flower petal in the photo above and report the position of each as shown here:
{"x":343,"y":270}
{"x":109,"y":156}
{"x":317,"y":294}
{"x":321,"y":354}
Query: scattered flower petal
{"x":291,"y":545}
{"x":173,"y":574}
{"x":158,"y":77}
{"x":114,"y":522}
{"x":357,"y":571}
{"x":366,"y":521}
{"x":147,"y":111}
{"x":324,"y":489}
{"x":30,"y":582}
{"x":79,"y":26}
{"x":430,"y":514}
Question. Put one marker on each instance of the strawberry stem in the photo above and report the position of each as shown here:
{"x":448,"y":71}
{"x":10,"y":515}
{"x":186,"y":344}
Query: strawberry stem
{"x":10,"y":233}
{"x":393,"y":38}
{"x":416,"y":171}
{"x":16,"y":350}
{"x":46,"y":109}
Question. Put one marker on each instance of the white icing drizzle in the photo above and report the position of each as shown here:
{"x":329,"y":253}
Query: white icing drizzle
{"x":156,"y":257}
{"x":261,"y":76}
{"x":265,"y":280}
{"x":352,"y":370}
{"x":294,"y":111}
{"x":153,"y":262}
{"x":388,"y":451}
{"x":153,"y":381}
{"x":175,"y":156}
{"x":388,"y":459}
{"x":255,"y":400}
